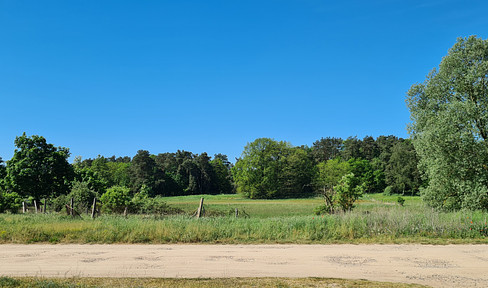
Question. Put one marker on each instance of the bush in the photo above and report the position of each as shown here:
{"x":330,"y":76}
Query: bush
{"x":322,"y":209}
{"x":115,"y":199}
{"x":59,"y":202}
{"x":141,"y":203}
{"x":348,"y":191}
{"x":82,"y":196}
{"x":10,"y":202}
{"x":400,"y":200}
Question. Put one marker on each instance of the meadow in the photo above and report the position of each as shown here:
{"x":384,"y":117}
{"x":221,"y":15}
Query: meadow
{"x":376,"y":219}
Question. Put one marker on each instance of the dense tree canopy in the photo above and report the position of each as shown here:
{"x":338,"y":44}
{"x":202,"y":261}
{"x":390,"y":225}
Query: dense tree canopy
{"x":38,"y":169}
{"x":266,"y":169}
{"x":272,"y":169}
{"x":449,"y":113}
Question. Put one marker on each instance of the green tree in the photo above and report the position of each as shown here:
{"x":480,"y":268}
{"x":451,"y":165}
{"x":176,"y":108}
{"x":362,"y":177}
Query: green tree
{"x":328,"y":174}
{"x":297,"y":174}
{"x":348,"y":191}
{"x":449,"y":128}
{"x":369,"y":148}
{"x":327,"y":149}
{"x":352,"y":148}
{"x":38,"y":169}
{"x":363,"y":170}
{"x":272,"y":169}
{"x":257,"y":171}
{"x":223,"y":178}
{"x":401,"y":172}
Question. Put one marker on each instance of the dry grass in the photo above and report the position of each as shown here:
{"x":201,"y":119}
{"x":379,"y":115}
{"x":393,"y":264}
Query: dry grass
{"x":194,"y":283}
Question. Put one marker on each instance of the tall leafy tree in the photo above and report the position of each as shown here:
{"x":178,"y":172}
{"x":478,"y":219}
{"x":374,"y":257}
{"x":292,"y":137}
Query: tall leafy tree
{"x":264,"y":170}
{"x":449,"y":113}
{"x":38,"y":169}
{"x":297,"y":173}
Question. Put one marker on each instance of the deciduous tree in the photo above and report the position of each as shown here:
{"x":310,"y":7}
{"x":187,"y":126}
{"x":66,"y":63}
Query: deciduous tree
{"x":38,"y":169}
{"x":449,"y":113}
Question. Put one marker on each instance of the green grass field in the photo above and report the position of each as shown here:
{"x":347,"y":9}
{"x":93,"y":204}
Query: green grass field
{"x":377,"y":219}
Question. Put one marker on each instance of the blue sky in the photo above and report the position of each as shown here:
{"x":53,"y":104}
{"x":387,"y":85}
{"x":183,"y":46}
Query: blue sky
{"x":114,"y":77}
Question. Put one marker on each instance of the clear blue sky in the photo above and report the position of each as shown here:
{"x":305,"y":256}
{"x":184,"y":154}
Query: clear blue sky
{"x":113,"y":77}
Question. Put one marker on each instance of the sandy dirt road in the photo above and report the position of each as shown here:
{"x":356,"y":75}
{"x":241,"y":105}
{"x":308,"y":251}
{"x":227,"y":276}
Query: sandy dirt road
{"x":437,"y":266}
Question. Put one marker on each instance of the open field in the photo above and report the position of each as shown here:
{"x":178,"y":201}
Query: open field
{"x":377,"y":219}
{"x":437,"y":266}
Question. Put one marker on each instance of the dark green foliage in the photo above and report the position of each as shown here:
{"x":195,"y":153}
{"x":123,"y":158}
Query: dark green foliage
{"x":450,"y":127}
{"x":38,"y":169}
{"x":327,"y":149}
{"x":400,"y":200}
{"x":223,"y":177}
{"x":143,"y":171}
{"x":192,"y":174}
{"x":401,"y":171}
{"x":352,"y":149}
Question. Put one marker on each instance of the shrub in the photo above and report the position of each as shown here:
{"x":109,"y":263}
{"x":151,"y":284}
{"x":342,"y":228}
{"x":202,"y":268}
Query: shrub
{"x":59,"y":202}
{"x":115,"y":199}
{"x":10,"y":202}
{"x":400,"y":200}
{"x":82,"y":196}
{"x":348,"y":191}
{"x":141,"y":203}
{"x":322,"y":209}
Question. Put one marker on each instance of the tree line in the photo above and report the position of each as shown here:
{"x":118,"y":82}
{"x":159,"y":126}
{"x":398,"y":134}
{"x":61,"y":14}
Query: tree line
{"x":266,"y":169}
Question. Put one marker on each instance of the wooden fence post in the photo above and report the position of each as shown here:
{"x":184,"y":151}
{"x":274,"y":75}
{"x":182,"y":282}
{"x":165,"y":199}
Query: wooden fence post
{"x":23,"y":207}
{"x":237,"y":212}
{"x":35,"y":206}
{"x":200,"y":208}
{"x":72,"y":207}
{"x":45,"y":206}
{"x":125,"y":211}
{"x":94,"y":207}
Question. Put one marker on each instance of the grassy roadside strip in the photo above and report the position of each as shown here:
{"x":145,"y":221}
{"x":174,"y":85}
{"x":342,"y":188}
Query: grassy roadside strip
{"x":392,"y":226}
{"x":193,"y":283}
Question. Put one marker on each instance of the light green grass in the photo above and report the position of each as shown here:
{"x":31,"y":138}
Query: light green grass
{"x":254,"y":207}
{"x":193,"y":283}
{"x":377,"y":219}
